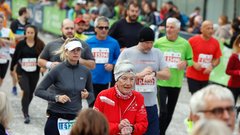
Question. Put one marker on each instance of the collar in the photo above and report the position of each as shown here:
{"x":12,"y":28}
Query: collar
{"x":122,"y":96}
{"x":66,"y":62}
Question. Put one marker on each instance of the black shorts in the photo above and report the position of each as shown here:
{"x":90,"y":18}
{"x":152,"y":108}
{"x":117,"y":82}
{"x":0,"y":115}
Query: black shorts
{"x":3,"y":69}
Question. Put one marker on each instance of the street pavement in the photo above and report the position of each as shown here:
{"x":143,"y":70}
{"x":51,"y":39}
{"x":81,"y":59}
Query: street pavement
{"x":38,"y":107}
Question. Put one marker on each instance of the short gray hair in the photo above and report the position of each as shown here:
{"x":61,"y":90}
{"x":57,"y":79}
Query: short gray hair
{"x":101,"y":18}
{"x":175,"y":21}
{"x":198,"y":103}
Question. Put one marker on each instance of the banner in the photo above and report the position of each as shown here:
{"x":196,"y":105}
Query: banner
{"x":52,"y":19}
{"x":16,"y":5}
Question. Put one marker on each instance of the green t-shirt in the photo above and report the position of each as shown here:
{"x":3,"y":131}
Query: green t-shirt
{"x":174,"y":51}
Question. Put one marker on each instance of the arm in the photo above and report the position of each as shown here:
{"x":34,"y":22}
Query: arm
{"x":140,"y":127}
{"x":89,"y":88}
{"x":41,"y":90}
{"x":163,"y":74}
{"x":230,"y":70}
{"x":87,"y":58}
{"x":16,"y":56}
{"x":90,"y":64}
{"x":46,"y":64}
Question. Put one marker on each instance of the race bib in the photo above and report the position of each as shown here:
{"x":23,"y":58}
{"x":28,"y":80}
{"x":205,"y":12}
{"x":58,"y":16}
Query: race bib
{"x":172,"y":59}
{"x":205,"y":60}
{"x":11,"y":50}
{"x":3,"y":59}
{"x":65,"y":126}
{"x":101,"y":55}
{"x":29,"y":64}
{"x":142,"y":86}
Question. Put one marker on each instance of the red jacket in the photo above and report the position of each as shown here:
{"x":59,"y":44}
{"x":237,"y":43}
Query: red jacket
{"x":132,"y":109}
{"x":233,"y":69}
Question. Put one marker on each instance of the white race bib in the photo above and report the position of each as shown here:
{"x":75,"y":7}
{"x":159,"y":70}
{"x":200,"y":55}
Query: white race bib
{"x":142,"y":86}
{"x":205,"y":60}
{"x":172,"y":59}
{"x":65,"y":126}
{"x":11,"y":50}
{"x":29,"y":64}
{"x":3,"y":59}
{"x":101,"y":55}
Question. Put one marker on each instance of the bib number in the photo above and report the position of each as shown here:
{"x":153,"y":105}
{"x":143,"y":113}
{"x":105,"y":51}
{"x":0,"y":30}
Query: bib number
{"x":142,"y":86}
{"x":3,"y":59}
{"x":205,"y":60}
{"x":65,"y":126}
{"x":29,"y":64}
{"x":172,"y":59}
{"x":101,"y":55}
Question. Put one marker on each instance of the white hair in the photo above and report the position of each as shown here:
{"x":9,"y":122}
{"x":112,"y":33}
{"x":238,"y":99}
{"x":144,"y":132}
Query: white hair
{"x":198,"y":103}
{"x":101,"y":18}
{"x":175,"y":21}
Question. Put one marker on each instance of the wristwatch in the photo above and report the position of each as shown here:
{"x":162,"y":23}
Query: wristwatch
{"x":56,"y":98}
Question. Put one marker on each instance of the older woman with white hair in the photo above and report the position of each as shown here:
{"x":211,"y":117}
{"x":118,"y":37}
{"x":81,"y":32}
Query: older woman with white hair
{"x":68,"y":83}
{"x":126,"y":104}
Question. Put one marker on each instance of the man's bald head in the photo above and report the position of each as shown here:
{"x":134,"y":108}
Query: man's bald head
{"x":67,"y":28}
{"x":207,"y":29}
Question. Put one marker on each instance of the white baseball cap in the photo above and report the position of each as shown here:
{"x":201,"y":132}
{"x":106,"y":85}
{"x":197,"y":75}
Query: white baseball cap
{"x":72,"y":45}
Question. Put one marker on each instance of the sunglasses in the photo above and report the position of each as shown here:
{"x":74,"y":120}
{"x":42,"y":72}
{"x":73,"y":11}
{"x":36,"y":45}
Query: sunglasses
{"x":102,"y":27}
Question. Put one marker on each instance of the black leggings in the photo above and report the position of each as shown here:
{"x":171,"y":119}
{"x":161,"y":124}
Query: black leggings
{"x":27,"y":82}
{"x":168,"y":100}
{"x":3,"y":69}
{"x":235,"y":92}
{"x":195,"y":85}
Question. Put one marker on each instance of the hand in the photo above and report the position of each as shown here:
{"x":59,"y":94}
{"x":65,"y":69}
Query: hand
{"x":84,"y":94}
{"x":148,"y":70}
{"x":63,"y":99}
{"x":197,"y":66}
{"x":126,"y":130}
{"x":182,"y":65}
{"x":124,"y":123}
{"x":54,"y":64}
{"x":108,"y":67}
{"x":208,"y":70}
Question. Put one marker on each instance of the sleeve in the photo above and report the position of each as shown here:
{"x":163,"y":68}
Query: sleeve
{"x":113,"y":31}
{"x":41,"y":90}
{"x":87,"y":54}
{"x":89,"y":88}
{"x":218,"y":52}
{"x":100,"y":106}
{"x":11,"y":35}
{"x":16,"y":56}
{"x":45,"y":53}
{"x":116,"y":53}
{"x":140,"y":127}
{"x":189,"y":55}
{"x":231,"y":63}
{"x":13,"y":26}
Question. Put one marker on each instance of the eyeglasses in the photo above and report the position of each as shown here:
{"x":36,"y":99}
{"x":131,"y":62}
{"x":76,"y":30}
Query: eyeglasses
{"x":219,"y":111}
{"x":103,"y":27}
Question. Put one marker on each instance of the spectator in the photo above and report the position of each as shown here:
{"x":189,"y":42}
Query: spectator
{"x":69,"y":83}
{"x":126,"y":30}
{"x":195,"y":13}
{"x":178,"y":55}
{"x":5,"y":113}
{"x":213,"y":102}
{"x":150,"y":66}
{"x":105,"y":50}
{"x":48,"y":59}
{"x":195,"y":28}
{"x":90,"y":122}
{"x":25,"y":57}
{"x":223,"y":31}
{"x":211,"y":127}
{"x":5,"y":10}
{"x":148,"y":17}
{"x":103,"y":9}
{"x":89,"y":30}
{"x":206,"y":56}
{"x":235,"y":28}
{"x":77,"y":10}
{"x":7,"y":39}
{"x":126,"y":104}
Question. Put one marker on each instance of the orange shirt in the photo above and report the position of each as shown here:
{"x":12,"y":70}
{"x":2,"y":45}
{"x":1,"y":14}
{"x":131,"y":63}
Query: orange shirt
{"x":6,"y":11}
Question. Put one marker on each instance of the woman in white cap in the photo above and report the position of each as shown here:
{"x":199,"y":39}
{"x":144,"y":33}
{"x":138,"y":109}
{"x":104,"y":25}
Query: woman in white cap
{"x":127,"y":105}
{"x":68,"y":83}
